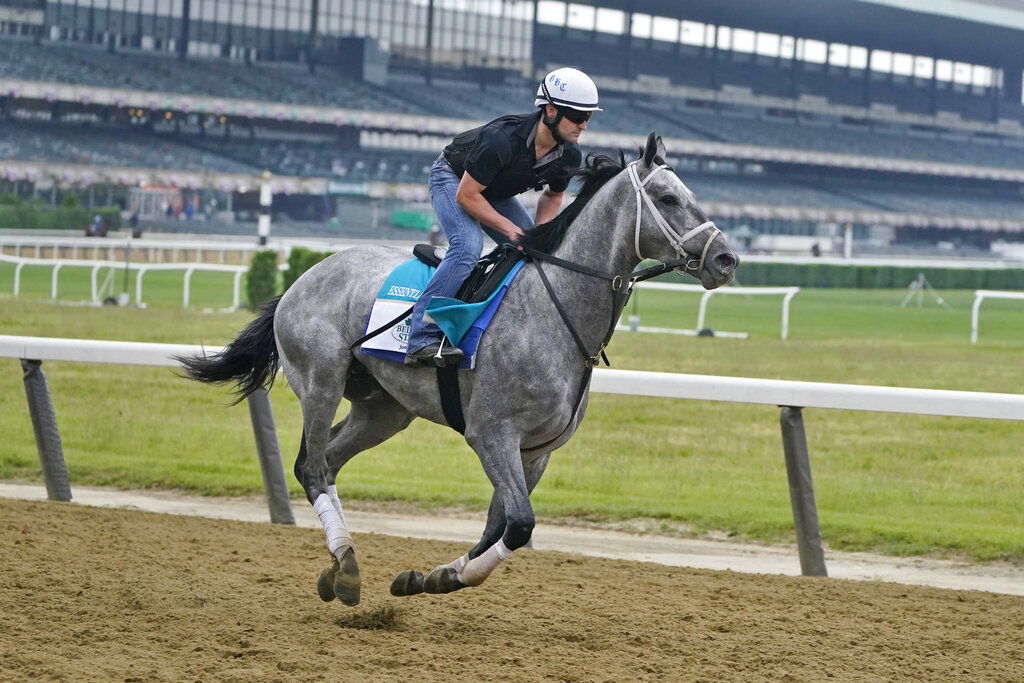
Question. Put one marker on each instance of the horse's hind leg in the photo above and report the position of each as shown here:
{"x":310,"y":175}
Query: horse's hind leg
{"x":320,"y":387}
{"x":368,"y":423}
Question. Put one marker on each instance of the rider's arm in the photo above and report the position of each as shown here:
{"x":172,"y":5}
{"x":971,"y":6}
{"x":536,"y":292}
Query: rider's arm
{"x":547,"y":205}
{"x":476,"y":205}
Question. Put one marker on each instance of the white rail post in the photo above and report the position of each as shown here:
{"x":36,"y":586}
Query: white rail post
{"x":44,"y":424}
{"x":785,"y":313}
{"x":93,"y":282}
{"x":186,"y":285}
{"x":138,"y":285}
{"x":703,"y":309}
{"x":801,"y":492}
{"x":17,"y":277}
{"x":978,"y":298}
{"x":53,"y":280}
{"x":236,"y":293}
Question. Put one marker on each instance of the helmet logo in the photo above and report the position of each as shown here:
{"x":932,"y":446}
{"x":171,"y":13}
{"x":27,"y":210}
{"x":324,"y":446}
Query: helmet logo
{"x":558,"y":82}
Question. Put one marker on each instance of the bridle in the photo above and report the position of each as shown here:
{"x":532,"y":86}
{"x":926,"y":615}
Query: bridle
{"x":685,"y":261}
{"x":622,"y":289}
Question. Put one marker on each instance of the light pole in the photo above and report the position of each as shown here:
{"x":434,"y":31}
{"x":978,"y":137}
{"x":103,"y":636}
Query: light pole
{"x":266,"y":198}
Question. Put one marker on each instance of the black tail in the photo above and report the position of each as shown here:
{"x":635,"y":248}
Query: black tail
{"x":250,"y":361}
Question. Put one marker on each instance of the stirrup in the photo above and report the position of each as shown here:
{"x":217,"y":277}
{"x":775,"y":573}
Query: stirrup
{"x":435,"y":355}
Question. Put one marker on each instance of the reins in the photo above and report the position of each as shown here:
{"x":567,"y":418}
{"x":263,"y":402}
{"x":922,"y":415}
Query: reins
{"x":618,"y":284}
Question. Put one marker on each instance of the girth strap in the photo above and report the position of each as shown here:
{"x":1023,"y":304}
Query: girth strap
{"x":451,"y":399}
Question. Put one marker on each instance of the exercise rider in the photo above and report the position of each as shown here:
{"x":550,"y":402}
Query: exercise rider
{"x":474,"y":183}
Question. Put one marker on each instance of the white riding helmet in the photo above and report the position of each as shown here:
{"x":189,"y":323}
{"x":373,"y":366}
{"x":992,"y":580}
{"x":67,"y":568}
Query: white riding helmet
{"x":568,"y":87}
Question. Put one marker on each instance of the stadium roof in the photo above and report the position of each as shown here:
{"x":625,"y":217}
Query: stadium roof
{"x":1007,"y":13}
{"x":987,"y":32}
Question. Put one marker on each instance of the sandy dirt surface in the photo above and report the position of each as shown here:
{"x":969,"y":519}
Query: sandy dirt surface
{"x":117,"y":594}
{"x":626,"y":540}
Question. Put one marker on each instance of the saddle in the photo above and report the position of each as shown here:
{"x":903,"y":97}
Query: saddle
{"x":486,"y":275}
{"x":485,"y":278}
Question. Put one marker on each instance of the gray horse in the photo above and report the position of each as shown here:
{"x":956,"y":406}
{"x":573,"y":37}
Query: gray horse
{"x":527,"y":393}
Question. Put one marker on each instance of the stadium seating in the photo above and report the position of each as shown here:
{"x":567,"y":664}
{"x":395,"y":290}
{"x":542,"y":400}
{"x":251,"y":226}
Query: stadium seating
{"x":163,"y":72}
{"x":293,"y":83}
{"x":69,"y":142}
{"x":84,"y":144}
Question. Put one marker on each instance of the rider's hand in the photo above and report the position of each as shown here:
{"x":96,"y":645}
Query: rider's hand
{"x":515,"y":236}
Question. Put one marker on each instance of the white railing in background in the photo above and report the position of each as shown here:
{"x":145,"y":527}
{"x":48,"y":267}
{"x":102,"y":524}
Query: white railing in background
{"x":791,"y":396}
{"x":979,"y":296}
{"x":787,"y":294}
{"x":140,"y":268}
{"x":155,"y":250}
{"x":170,"y":248}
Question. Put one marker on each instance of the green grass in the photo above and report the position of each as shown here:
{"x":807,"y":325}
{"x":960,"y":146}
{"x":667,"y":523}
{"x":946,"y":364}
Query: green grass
{"x":900,"y":484}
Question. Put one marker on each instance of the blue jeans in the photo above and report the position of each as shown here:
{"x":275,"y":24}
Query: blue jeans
{"x":465,"y":242}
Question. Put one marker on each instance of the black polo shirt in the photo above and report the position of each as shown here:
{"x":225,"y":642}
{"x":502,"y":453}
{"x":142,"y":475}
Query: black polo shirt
{"x":500,"y":156}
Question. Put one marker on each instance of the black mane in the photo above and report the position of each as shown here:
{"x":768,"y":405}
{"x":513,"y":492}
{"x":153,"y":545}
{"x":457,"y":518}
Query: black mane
{"x":596,"y":172}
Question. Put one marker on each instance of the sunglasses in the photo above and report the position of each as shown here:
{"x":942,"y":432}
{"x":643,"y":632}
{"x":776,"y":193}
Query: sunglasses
{"x":575,"y":115}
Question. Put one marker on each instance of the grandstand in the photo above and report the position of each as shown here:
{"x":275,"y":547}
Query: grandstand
{"x":899,"y":118}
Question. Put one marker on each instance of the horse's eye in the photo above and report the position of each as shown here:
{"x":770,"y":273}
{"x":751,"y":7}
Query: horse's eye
{"x":669,"y":200}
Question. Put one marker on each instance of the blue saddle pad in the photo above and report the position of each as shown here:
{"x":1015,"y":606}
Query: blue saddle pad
{"x":463,"y":324}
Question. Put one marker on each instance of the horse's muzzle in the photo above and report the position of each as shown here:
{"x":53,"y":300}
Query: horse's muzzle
{"x":726,"y":262}
{"x":720,"y":269}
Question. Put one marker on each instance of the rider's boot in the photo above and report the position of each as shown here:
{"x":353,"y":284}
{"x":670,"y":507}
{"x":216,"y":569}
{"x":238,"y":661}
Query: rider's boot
{"x":435,"y":355}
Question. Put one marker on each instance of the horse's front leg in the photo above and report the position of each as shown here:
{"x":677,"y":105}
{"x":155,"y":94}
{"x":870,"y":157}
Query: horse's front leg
{"x":475,"y":566}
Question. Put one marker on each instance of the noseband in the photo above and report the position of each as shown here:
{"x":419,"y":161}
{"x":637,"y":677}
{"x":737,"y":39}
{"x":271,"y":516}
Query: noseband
{"x":686,"y":261}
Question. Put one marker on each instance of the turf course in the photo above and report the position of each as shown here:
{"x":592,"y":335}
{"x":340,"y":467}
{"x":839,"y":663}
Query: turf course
{"x":893,"y":483}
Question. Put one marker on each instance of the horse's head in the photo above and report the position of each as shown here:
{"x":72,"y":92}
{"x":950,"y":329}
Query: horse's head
{"x":671,"y":227}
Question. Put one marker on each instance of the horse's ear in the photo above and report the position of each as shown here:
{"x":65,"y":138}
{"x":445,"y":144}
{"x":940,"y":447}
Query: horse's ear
{"x":662,"y":152}
{"x":650,"y":149}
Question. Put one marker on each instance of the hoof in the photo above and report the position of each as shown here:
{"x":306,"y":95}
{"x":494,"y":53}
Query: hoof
{"x":407,"y":583}
{"x":346,"y":580}
{"x":442,"y":580}
{"x":325,"y":582}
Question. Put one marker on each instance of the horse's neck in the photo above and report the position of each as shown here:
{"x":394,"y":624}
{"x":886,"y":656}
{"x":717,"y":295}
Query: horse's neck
{"x":597,"y":239}
{"x":601,"y":236}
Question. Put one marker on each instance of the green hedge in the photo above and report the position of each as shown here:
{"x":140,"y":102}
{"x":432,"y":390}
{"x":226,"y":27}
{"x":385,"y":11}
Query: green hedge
{"x":34,"y":216}
{"x":872,"y":277}
{"x":262,"y":282}
{"x":299,"y":261}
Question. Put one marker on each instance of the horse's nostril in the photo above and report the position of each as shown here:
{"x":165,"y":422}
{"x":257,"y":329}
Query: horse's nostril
{"x":725,"y":261}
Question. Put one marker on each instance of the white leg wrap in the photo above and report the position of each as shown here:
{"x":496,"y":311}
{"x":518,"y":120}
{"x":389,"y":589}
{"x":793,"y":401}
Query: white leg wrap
{"x":332,"y":491}
{"x":479,"y":568}
{"x":335,"y":530}
{"x":459,"y":563}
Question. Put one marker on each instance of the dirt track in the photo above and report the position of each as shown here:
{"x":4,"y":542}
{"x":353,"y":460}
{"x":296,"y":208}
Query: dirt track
{"x":100,"y":594}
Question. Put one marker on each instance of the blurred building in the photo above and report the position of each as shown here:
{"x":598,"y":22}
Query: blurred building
{"x":790,"y":120}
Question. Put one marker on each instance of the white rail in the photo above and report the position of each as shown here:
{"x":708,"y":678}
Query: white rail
{"x":779,"y":392}
{"x":155,"y":250}
{"x":787,"y":294}
{"x":979,"y":296}
{"x":633,"y":382}
{"x":140,"y":268}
